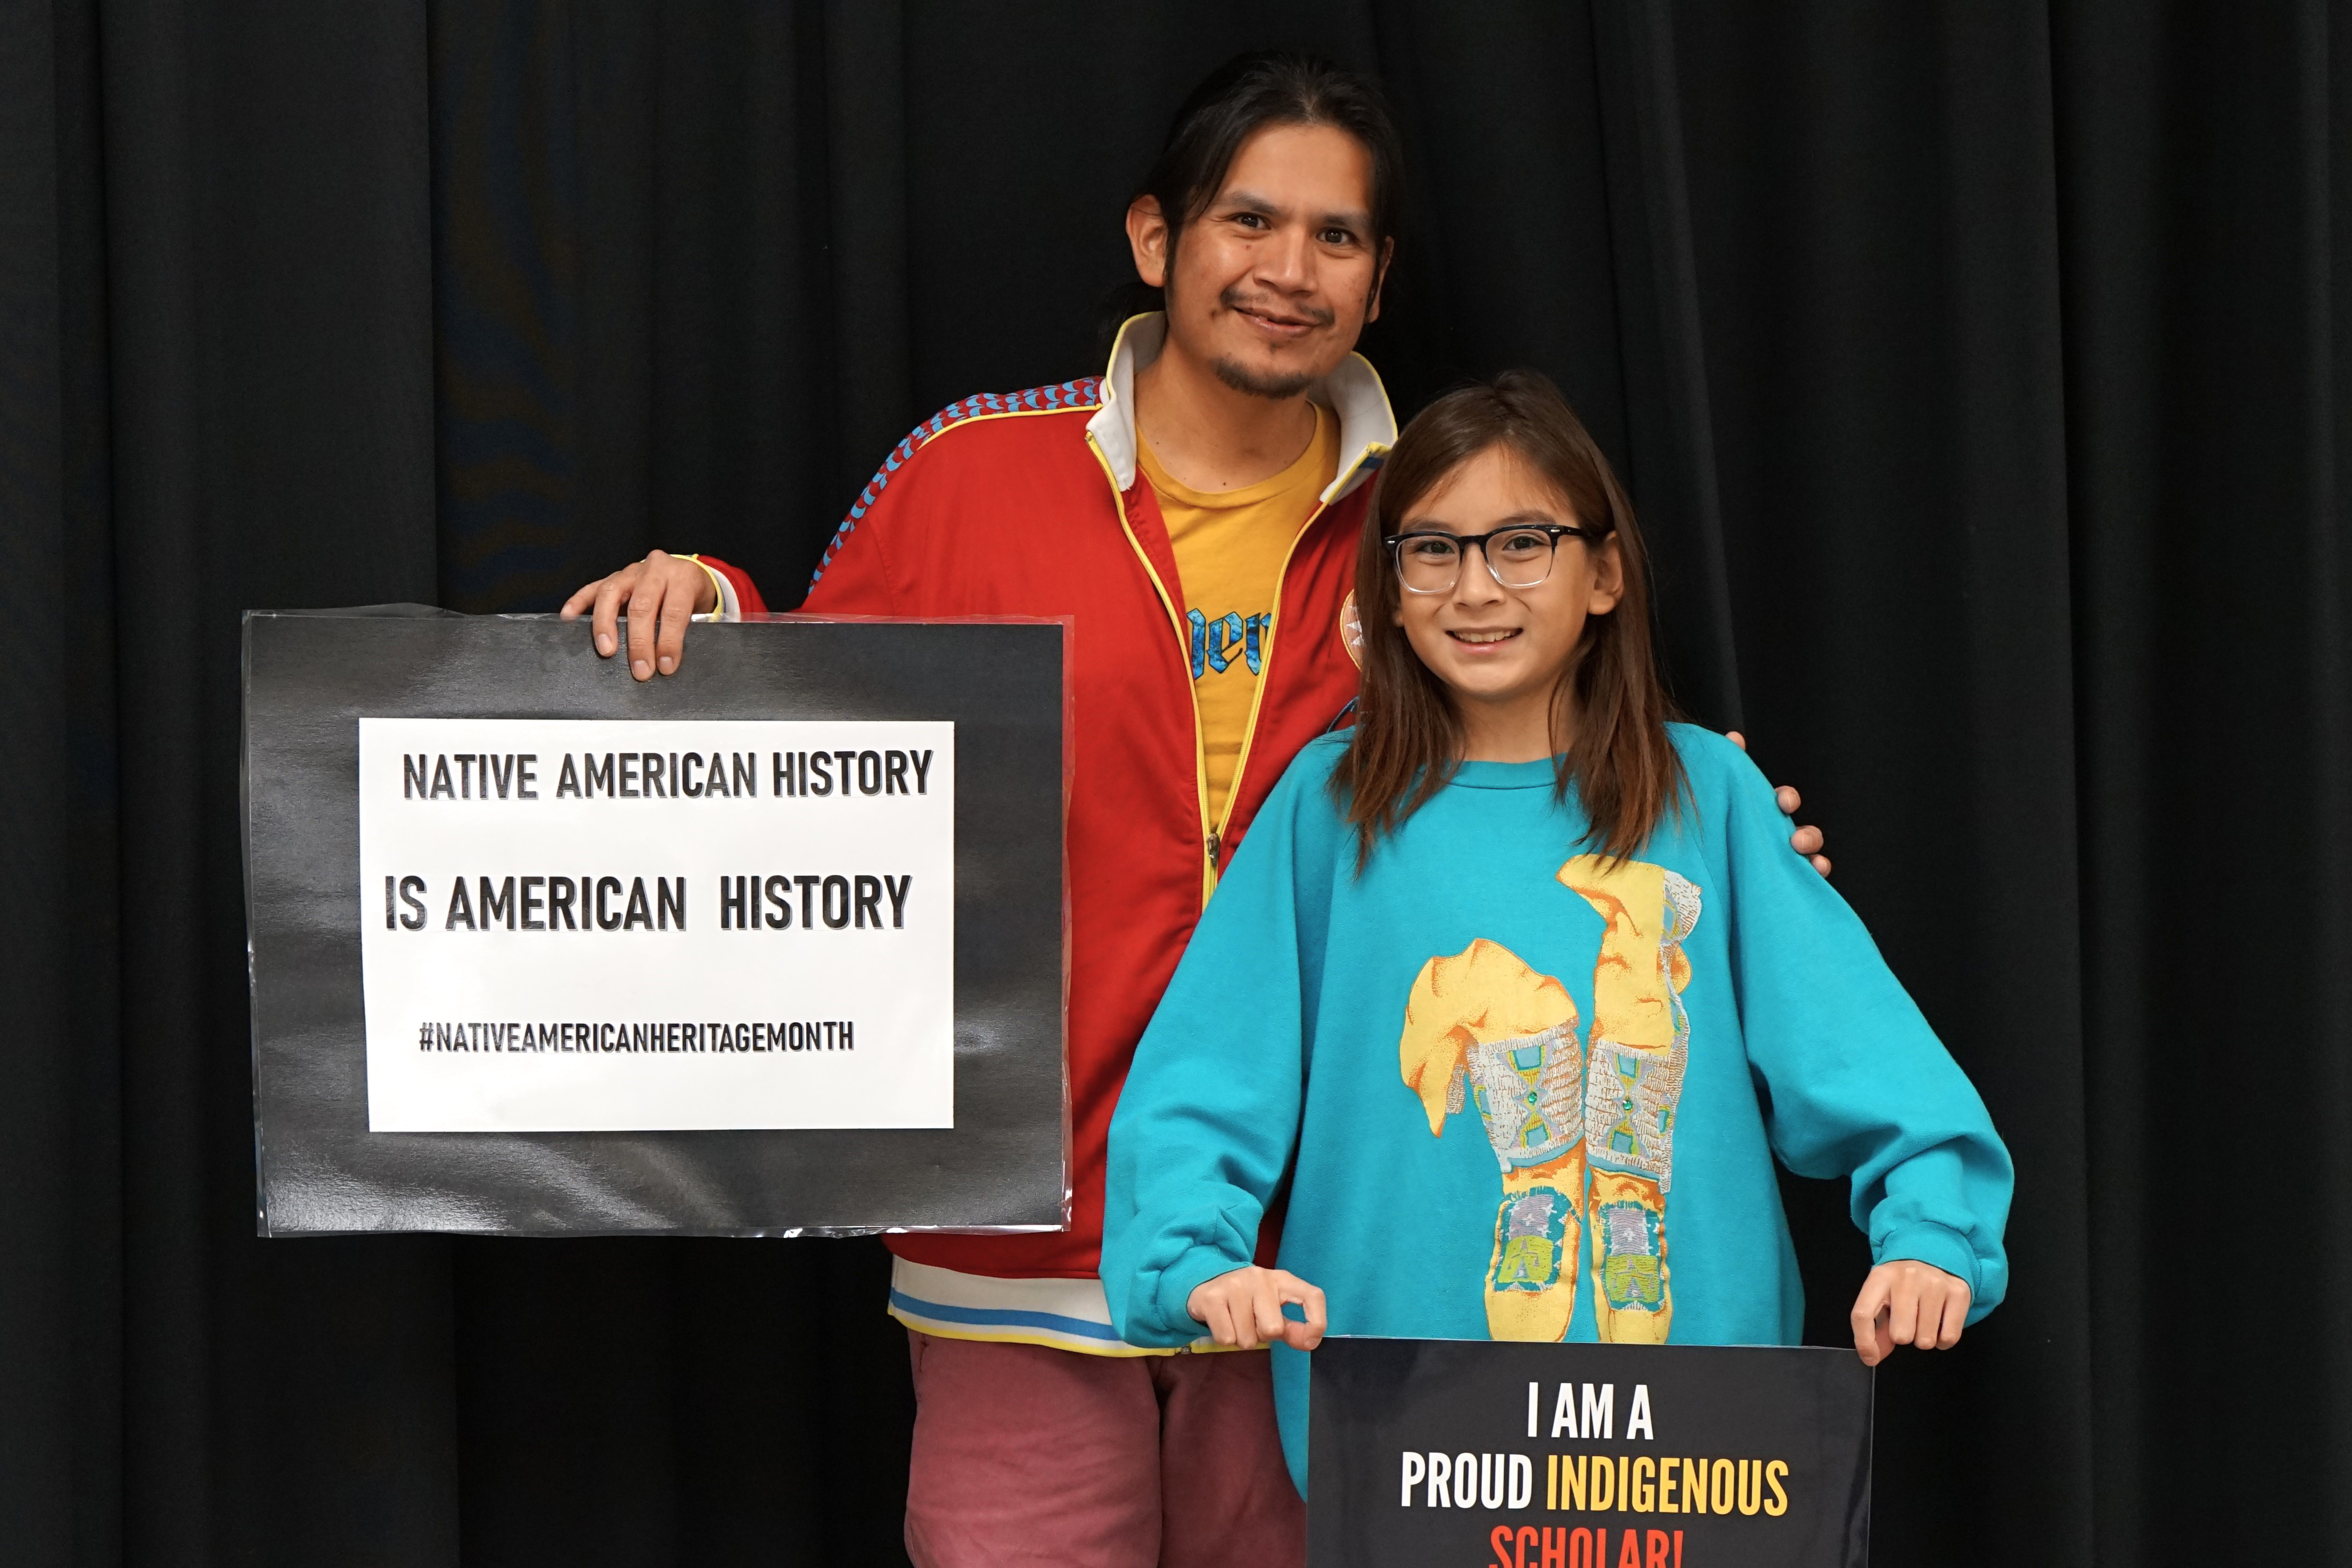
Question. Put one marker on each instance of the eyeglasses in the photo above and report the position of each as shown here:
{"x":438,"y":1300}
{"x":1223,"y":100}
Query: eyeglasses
{"x":1429,"y":562}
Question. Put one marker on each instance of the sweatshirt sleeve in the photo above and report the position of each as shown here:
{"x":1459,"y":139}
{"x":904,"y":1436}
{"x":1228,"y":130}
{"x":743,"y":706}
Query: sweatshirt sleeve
{"x":1209,"y":1118}
{"x":1858,"y":1084}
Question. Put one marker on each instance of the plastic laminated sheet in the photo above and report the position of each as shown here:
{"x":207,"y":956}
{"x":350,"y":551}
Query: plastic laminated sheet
{"x":973,"y":1136}
{"x":1528,"y":1452}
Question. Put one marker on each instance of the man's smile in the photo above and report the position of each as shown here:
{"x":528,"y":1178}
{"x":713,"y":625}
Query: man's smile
{"x":1272,"y":322}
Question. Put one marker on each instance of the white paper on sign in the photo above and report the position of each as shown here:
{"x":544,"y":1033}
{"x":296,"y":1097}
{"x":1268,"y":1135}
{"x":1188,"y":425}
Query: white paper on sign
{"x":575,"y":925}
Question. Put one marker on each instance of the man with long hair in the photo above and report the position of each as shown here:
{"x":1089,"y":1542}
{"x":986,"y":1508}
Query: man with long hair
{"x":1195,"y":509}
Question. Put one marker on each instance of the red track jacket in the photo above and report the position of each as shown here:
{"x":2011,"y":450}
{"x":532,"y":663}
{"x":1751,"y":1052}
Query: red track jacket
{"x":1030,"y":504}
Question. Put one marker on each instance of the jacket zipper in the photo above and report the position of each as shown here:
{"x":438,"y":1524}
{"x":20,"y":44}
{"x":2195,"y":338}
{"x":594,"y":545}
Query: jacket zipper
{"x":1265,"y":674}
{"x":1176,"y":627}
{"x":1257,"y":697}
{"x":1212,"y":837}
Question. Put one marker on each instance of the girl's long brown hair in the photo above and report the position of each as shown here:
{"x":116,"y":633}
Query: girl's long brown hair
{"x":1408,"y":737}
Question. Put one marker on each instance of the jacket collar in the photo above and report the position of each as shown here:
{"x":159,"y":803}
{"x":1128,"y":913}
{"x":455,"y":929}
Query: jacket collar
{"x":1367,"y":425}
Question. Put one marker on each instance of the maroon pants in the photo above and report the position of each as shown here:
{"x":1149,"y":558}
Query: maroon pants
{"x":1027,"y":1455}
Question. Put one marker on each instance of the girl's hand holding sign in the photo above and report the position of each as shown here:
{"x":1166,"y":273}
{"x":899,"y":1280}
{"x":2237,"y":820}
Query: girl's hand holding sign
{"x":1242,"y":1310}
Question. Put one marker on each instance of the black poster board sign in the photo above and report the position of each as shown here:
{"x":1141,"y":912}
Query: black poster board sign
{"x":312,"y":677}
{"x":1478,"y":1454}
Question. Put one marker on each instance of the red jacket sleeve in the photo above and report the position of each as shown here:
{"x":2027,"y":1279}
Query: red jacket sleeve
{"x":856,"y":576}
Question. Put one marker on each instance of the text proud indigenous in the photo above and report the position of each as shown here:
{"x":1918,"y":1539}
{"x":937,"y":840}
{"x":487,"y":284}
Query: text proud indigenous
{"x":671,"y":924}
{"x":1621,"y":1496}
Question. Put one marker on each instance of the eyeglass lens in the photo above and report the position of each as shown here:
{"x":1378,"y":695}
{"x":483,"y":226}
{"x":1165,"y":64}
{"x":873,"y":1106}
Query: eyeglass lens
{"x":1432,"y":563}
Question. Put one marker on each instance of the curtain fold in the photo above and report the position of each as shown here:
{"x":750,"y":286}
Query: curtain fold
{"x":1982,"y":372}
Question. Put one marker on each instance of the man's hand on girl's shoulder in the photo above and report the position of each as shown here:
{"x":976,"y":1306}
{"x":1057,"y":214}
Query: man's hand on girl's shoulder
{"x":1244,"y":1309}
{"x":1909,"y":1303}
{"x":1807,"y":841}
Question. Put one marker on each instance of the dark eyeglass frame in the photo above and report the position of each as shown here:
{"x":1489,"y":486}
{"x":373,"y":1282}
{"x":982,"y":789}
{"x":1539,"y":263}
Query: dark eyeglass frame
{"x":1461,"y":542}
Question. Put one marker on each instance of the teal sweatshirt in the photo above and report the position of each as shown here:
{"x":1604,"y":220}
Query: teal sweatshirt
{"x":1515,"y":1091}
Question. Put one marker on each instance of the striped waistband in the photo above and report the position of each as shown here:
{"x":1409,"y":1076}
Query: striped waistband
{"x":1066,"y":1314}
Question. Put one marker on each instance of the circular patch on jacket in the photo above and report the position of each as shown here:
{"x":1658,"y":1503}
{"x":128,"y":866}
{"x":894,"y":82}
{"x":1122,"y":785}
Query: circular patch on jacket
{"x":1351,"y":628}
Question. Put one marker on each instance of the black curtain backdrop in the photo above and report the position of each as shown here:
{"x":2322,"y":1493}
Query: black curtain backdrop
{"x":1982,"y":372}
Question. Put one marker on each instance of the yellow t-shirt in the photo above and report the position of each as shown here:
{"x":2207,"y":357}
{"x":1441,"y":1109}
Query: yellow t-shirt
{"x":1229,"y":546}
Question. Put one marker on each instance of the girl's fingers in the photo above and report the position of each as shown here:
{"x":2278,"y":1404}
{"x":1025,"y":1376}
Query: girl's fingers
{"x":1903,"y":1310}
{"x":1271,"y":1323}
{"x":1244,"y":1309}
{"x":1956,"y":1315}
{"x":1241,"y":1313}
{"x":1304,"y":1336}
{"x":1220,"y":1321}
{"x":1908,"y":1303}
{"x":1868,"y":1342}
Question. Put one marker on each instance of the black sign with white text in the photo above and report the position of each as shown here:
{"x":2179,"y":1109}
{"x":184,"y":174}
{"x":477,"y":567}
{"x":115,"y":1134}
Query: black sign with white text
{"x":1484,"y":1454}
{"x":770,"y":945}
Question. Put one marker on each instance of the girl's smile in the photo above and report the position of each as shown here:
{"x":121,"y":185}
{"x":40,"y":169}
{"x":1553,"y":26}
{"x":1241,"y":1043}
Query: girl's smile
{"x":1503,"y":652}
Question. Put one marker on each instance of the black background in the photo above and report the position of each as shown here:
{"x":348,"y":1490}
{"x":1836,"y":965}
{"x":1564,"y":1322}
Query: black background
{"x":1373,"y":1399}
{"x":1981,"y":370}
{"x":310,"y":679}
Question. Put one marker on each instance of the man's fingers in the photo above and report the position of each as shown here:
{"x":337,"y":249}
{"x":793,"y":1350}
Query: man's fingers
{"x":1806,"y":840}
{"x":1736,"y":738}
{"x":645,"y":615}
{"x":602,"y":629}
{"x":1821,"y":864}
{"x":1790,"y":801}
{"x":678,"y":609}
{"x":581,"y":597}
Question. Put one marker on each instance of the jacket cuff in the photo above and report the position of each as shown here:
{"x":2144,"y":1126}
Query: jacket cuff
{"x":726,"y":607}
{"x":1938,"y":1246}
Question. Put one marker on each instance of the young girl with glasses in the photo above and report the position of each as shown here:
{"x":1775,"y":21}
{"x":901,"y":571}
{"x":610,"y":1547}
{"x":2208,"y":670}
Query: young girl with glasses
{"x":1515,"y":993}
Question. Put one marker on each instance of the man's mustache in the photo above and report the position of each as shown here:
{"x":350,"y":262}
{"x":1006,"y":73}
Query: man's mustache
{"x":1314,"y":314}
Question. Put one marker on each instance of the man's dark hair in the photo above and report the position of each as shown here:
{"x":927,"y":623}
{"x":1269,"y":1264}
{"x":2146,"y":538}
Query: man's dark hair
{"x":1241,"y":98}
